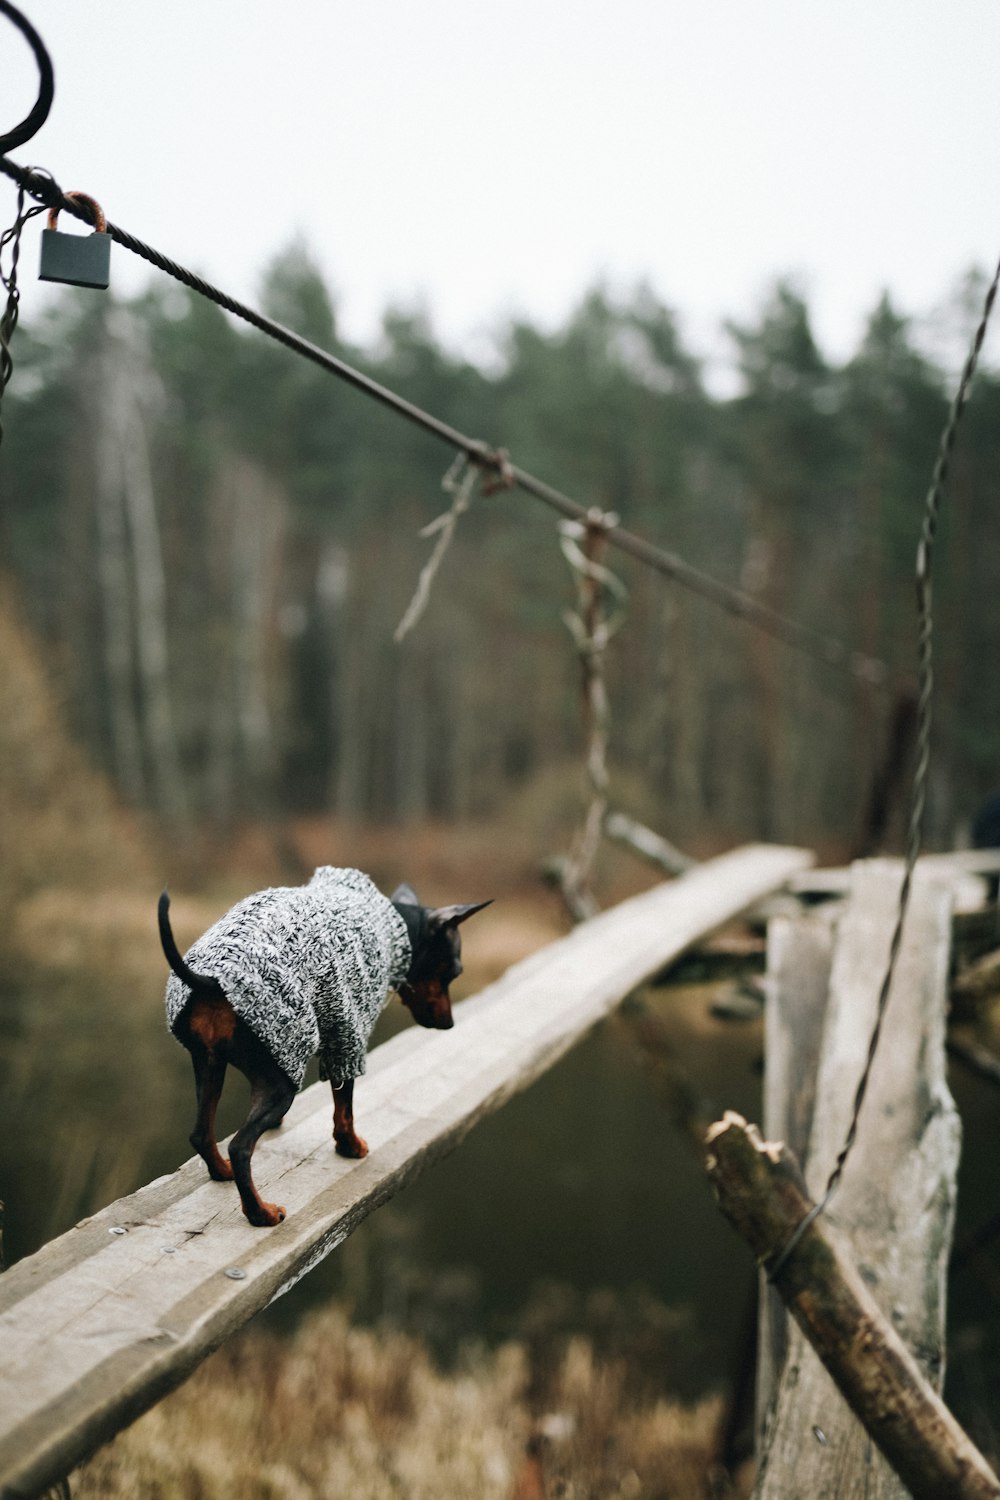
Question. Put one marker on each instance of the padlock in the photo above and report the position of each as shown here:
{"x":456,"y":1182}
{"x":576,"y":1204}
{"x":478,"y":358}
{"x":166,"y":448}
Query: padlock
{"x":77,"y":259}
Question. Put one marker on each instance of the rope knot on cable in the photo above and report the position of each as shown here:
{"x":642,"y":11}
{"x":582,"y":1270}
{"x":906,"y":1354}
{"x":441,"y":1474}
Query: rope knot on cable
{"x":502,"y":476}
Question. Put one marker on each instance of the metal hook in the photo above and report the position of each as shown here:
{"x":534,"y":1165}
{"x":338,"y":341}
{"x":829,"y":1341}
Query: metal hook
{"x":39,"y":112}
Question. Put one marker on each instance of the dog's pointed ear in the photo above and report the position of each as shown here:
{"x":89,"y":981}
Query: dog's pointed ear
{"x":451,"y":916}
{"x":405,"y":895}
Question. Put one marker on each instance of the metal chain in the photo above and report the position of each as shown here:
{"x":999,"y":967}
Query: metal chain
{"x":925,"y":642}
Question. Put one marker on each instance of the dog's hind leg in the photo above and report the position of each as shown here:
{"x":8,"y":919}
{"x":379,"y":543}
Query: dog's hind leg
{"x":207,"y":1027}
{"x":271,"y":1095}
{"x":209,"y":1076}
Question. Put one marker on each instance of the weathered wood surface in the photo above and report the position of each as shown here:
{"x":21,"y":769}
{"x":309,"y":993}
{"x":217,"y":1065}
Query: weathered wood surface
{"x":762,"y":1192}
{"x":964,"y":869}
{"x":647,"y":843}
{"x":975,"y":861}
{"x":895,"y":1204}
{"x":799,"y":959}
{"x":98,"y":1325}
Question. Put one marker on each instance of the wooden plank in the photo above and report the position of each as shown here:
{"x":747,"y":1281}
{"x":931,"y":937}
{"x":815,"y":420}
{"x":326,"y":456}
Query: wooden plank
{"x":972,"y":861}
{"x":825,"y":882}
{"x":98,"y":1325}
{"x":964,"y":868}
{"x":895,"y":1205}
{"x":799,"y":959}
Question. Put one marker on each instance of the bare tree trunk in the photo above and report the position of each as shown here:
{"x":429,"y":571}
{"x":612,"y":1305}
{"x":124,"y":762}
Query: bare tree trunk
{"x":136,"y":395}
{"x":351,"y":722}
{"x":220,"y":777}
{"x":687,"y":782}
{"x":116,"y":600}
{"x":409,"y":737}
{"x":249,"y":511}
{"x":759,"y":571}
{"x":349,"y":788}
{"x":134,"y":596}
{"x":256,"y":553}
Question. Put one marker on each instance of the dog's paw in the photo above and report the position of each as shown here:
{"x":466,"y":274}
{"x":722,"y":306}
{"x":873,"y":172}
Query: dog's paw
{"x":221,"y":1170}
{"x":351,"y":1146}
{"x":270,"y":1214}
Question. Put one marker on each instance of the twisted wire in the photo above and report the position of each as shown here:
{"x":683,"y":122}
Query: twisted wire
{"x":11,"y":313}
{"x":803,"y":638}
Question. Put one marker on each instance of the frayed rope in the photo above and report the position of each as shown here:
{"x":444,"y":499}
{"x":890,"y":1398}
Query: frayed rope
{"x":460,"y":481}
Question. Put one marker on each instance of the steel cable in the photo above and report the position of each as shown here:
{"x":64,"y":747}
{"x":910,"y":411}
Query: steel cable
{"x":814,"y":643}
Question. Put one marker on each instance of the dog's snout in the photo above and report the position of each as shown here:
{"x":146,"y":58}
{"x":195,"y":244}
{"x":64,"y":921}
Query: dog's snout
{"x":440,"y":1010}
{"x":439,"y":1005}
{"x":430,"y":1005}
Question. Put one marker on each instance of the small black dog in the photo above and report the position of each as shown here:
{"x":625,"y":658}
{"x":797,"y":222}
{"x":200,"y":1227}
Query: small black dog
{"x":295,"y":971}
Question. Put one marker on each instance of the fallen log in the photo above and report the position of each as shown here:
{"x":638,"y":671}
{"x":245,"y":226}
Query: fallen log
{"x":761,"y":1191}
{"x":647,"y":843}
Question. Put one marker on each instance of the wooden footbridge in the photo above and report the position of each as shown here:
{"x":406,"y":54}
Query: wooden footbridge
{"x":102,"y":1322}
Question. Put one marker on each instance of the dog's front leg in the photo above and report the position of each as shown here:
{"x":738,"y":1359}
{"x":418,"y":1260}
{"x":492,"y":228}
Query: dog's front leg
{"x":348,"y":1142}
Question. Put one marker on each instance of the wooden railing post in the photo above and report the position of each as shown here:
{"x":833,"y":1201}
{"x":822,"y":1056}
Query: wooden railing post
{"x":867,"y":1283}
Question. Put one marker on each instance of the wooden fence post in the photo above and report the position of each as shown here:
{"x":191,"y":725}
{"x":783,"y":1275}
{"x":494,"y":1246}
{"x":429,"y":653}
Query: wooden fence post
{"x":799,"y":956}
{"x":895,"y":1204}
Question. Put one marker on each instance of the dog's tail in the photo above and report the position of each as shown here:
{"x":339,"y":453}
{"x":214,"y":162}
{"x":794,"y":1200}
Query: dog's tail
{"x":172,"y":953}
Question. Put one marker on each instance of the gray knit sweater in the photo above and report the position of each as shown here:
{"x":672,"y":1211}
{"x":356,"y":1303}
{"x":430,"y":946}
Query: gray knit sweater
{"x":307,"y":967}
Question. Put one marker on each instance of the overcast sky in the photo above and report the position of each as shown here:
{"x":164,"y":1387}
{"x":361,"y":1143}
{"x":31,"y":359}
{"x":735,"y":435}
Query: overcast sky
{"x":489,"y":160}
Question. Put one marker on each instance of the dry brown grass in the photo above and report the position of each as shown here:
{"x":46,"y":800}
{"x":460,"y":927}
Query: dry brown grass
{"x":338,"y":1410}
{"x":61,"y":822}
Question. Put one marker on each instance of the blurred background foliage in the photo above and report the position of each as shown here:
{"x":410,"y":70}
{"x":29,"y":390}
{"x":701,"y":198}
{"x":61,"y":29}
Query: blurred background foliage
{"x":212,"y":541}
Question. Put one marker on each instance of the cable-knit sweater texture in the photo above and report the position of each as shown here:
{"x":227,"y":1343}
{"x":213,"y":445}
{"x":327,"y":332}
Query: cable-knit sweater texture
{"x":307,"y":967}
